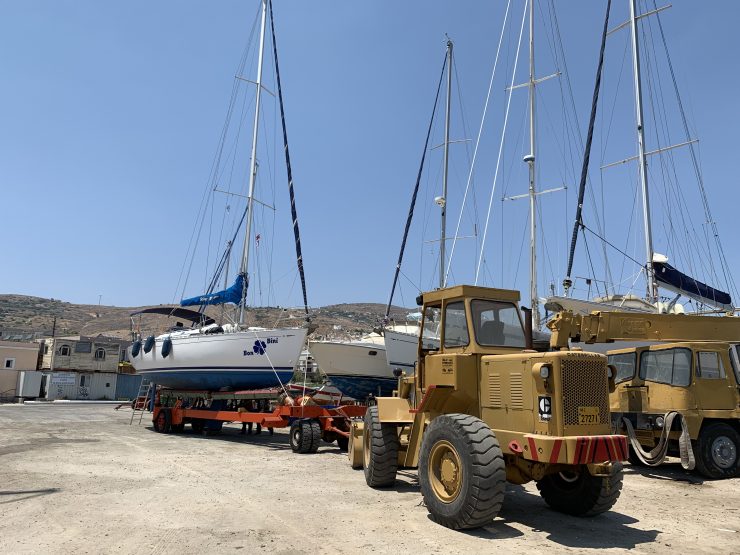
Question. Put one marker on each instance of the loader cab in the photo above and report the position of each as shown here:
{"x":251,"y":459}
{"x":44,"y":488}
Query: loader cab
{"x":462,"y":323}
{"x":473,"y":320}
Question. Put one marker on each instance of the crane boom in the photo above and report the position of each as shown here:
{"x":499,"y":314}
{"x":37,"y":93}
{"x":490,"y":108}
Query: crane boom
{"x":607,"y":327}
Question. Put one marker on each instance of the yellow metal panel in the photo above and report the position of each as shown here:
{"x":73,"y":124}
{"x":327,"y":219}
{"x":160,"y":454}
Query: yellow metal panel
{"x":394,"y":410}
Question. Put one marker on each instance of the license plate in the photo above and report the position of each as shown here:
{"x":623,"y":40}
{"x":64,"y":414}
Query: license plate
{"x":588,"y":415}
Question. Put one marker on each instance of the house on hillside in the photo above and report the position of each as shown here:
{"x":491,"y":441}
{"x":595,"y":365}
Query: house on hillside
{"x":16,"y":358}
{"x":81,"y":353}
{"x":82,"y":367}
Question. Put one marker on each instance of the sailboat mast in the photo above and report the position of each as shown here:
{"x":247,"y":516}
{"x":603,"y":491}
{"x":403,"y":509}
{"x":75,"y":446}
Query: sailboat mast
{"x":252,"y":166}
{"x":443,"y":203}
{"x":529,"y":159}
{"x":652,"y":288}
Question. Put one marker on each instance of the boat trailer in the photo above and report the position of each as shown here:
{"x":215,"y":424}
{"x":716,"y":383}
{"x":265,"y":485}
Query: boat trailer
{"x":207,"y":411}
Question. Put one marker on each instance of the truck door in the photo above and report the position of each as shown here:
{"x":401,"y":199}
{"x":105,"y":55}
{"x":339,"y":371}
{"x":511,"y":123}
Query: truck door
{"x":714,"y":387}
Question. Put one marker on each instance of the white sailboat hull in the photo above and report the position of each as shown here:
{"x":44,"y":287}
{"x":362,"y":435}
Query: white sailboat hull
{"x":247,"y":359}
{"x":358,"y":369}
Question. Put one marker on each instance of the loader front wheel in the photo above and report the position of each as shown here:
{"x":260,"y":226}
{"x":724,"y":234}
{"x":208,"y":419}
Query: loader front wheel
{"x":579,"y":493}
{"x":379,"y":450}
{"x":461,"y":472}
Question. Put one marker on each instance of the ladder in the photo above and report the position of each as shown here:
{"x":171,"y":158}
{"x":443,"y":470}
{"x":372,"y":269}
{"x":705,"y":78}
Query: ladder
{"x":141,"y":403}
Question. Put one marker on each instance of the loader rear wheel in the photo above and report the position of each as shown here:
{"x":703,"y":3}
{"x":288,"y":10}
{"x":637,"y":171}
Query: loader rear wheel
{"x":379,"y":450}
{"x":717,"y":451}
{"x":579,"y":493}
{"x":163,"y":422}
{"x":461,"y":471}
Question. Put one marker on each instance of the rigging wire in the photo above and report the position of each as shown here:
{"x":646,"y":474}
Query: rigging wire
{"x":477,"y":142}
{"x":416,"y":191}
{"x":501,"y":143}
{"x":215,"y":164}
{"x":729,"y":280}
{"x":587,"y":150}
{"x":293,"y":211}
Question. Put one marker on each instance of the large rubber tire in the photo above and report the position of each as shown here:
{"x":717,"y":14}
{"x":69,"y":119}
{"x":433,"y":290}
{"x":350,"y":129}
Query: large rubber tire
{"x":163,"y":422}
{"x":379,"y":450}
{"x":301,"y":436}
{"x":198,"y":425}
{"x":580,"y":494}
{"x":461,"y":472}
{"x":315,"y":429}
{"x":717,"y":451}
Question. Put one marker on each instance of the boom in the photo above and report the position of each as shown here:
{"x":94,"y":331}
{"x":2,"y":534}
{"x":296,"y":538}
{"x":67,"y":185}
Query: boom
{"x":607,"y":327}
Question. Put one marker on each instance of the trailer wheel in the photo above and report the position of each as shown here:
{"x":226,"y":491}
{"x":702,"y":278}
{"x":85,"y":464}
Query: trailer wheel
{"x":163,"y":422}
{"x":579,"y":493}
{"x":379,"y":450}
{"x":717,"y":451}
{"x":301,"y":436}
{"x":315,"y":428}
{"x":461,"y":471}
{"x":197,"y":425}
{"x":343,"y":442}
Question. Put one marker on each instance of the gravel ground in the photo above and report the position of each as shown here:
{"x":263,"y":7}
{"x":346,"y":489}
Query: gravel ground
{"x":80,"y":479}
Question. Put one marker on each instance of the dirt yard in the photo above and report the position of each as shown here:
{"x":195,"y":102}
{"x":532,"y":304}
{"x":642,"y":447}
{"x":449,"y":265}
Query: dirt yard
{"x":80,"y":479}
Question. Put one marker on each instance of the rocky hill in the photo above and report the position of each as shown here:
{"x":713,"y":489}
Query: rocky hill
{"x":25,"y":314}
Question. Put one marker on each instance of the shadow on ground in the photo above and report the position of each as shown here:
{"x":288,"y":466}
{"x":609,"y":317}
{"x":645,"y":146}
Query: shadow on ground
{"x":40,"y":443}
{"x":673,"y":472}
{"x":608,"y":530}
{"x":27,"y":494}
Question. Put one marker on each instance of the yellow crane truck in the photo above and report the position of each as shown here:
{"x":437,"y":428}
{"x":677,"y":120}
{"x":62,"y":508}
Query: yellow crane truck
{"x":484,"y":408}
{"x":681,"y":399}
{"x":678,"y":395}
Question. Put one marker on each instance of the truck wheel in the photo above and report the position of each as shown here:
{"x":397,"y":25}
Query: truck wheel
{"x":461,"y":471}
{"x":315,"y":428}
{"x":578,"y":493}
{"x":301,"y":436}
{"x":178,"y":427}
{"x":379,"y":450}
{"x":717,"y":451}
{"x":163,"y":422}
{"x":197,"y":425}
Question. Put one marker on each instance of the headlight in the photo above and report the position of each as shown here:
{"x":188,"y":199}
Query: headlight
{"x":545,"y":372}
{"x":659,"y":421}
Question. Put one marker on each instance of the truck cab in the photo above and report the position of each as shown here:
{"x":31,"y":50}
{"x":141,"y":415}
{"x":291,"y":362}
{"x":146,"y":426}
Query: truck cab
{"x":698,"y":380}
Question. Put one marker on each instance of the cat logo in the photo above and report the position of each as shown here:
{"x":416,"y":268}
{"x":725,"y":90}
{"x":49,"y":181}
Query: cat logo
{"x":544,"y":406}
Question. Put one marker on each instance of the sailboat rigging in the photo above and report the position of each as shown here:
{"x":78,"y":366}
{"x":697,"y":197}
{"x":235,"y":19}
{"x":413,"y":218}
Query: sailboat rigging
{"x":658,"y":273}
{"x":212,"y":356}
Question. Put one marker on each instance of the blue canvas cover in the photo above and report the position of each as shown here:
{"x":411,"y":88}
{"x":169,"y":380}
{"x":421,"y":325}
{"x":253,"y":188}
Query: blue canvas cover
{"x":231,"y":295}
{"x":670,"y":278}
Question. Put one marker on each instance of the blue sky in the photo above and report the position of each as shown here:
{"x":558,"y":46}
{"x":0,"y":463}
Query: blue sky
{"x":111,"y":115}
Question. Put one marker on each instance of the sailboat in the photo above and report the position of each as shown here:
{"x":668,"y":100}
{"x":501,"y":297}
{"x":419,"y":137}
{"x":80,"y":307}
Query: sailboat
{"x":658,"y":272}
{"x":234,"y":356}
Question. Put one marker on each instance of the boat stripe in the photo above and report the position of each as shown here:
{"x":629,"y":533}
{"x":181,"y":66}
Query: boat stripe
{"x":210,"y":368}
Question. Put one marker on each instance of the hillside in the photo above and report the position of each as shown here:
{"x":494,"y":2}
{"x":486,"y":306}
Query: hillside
{"x":21,"y":313}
